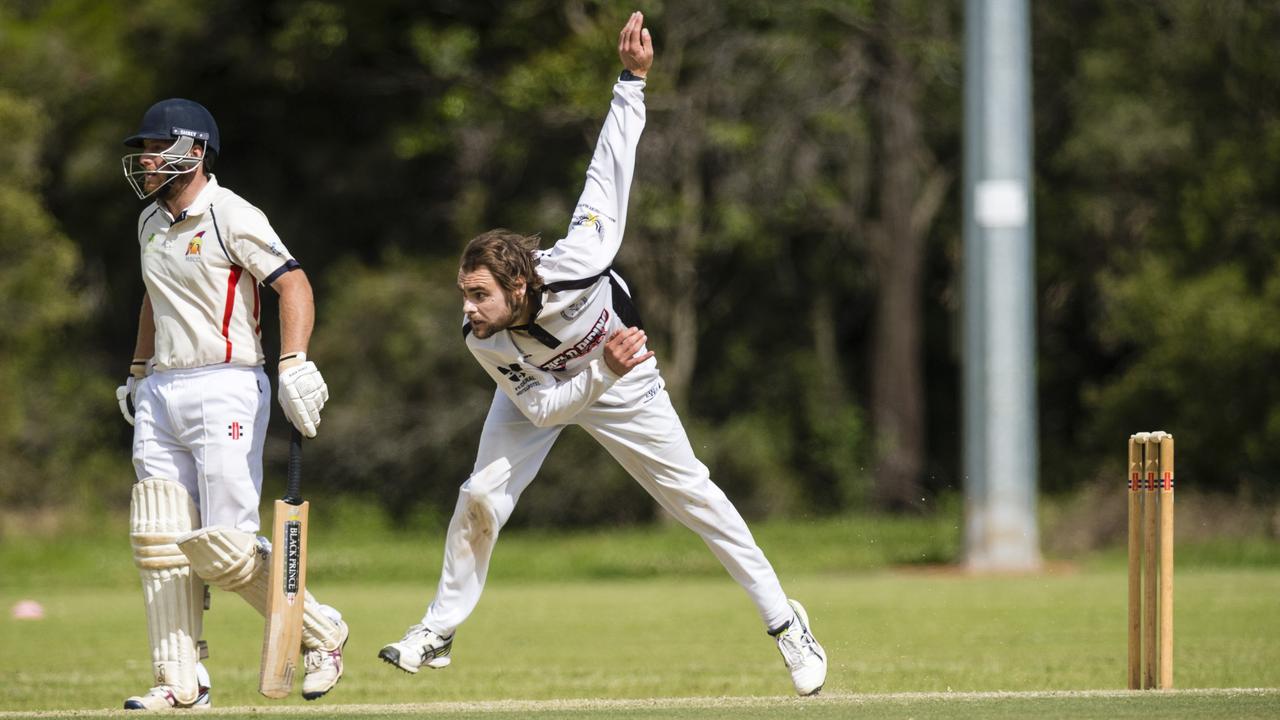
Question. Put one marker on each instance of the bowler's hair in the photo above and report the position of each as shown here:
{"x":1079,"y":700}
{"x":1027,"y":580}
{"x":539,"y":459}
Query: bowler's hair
{"x":508,"y":256}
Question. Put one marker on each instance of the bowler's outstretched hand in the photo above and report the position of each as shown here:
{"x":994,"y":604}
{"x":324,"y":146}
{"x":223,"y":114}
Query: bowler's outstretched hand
{"x":621,"y":348}
{"x":635,"y":47}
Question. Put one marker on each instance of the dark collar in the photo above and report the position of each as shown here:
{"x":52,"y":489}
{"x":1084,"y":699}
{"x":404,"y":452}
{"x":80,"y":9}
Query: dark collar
{"x":536,"y":331}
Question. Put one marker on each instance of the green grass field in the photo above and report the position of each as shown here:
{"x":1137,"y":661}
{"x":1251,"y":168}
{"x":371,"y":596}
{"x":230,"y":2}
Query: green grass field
{"x":642,"y":623}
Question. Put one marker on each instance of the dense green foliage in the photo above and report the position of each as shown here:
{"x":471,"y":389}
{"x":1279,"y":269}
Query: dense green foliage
{"x":766,"y":240}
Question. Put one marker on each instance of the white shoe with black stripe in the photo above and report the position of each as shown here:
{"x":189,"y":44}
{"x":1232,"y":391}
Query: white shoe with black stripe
{"x":419,"y":647}
{"x":802,"y":654}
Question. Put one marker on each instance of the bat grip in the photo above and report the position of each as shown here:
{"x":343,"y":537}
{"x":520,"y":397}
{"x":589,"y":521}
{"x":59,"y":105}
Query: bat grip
{"x":293,"y":490}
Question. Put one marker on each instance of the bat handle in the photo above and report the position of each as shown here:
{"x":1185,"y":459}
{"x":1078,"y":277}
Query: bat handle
{"x":293,"y":491}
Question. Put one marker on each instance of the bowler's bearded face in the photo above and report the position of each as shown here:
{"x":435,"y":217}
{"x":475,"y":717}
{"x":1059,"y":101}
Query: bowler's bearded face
{"x":485,"y":303}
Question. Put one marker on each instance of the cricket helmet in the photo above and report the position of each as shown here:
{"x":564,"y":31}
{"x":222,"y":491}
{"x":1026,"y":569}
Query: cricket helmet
{"x":174,"y":118}
{"x":183,"y":121}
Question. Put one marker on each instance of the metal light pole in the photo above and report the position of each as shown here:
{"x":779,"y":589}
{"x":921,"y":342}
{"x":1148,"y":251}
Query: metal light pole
{"x":1000,"y":447}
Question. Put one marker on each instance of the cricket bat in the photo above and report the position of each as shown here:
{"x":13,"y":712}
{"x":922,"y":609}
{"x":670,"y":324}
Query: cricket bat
{"x":286,"y":588}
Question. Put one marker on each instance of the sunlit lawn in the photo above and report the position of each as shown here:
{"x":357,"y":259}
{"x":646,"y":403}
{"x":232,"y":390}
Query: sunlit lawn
{"x":647,"y":614}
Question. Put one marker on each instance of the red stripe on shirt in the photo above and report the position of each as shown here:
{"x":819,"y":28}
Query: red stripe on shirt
{"x":232,"y":280}
{"x":257,"y":321}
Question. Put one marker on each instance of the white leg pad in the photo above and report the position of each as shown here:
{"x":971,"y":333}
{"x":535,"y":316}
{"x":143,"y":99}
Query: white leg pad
{"x":161,"y":511}
{"x":319,"y":630}
{"x":229,"y":559}
{"x":234,"y":560}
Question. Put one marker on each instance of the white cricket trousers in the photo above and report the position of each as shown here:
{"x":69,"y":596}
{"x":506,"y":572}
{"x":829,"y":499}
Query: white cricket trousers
{"x":649,"y":441}
{"x":205,"y":428}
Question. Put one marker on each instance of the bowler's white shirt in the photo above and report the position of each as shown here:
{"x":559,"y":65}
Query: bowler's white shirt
{"x":554,"y":368}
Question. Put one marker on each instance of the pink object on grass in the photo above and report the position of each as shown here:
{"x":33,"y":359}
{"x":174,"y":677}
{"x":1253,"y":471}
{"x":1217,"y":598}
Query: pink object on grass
{"x":28,"y":610}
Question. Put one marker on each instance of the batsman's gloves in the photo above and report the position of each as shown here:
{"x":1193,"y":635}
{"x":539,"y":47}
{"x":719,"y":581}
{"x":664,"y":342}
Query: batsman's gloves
{"x":124,"y":396}
{"x":139,"y":369}
{"x":302,"y":392}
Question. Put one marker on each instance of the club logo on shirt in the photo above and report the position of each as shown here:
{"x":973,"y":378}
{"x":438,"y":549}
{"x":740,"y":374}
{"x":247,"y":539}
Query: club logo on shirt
{"x":589,"y":219}
{"x":235,"y":430}
{"x":519,"y":379}
{"x":572,"y":311}
{"x":193,"y":247}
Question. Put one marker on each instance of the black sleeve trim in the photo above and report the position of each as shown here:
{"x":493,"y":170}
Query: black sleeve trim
{"x":218,"y":234}
{"x":628,"y":313}
{"x":288,"y":266}
{"x":622,"y":300}
{"x":582,"y":284}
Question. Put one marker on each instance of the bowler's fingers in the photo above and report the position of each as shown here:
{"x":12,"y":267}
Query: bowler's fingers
{"x":625,"y":37}
{"x":628,"y":341}
{"x":617,"y":338}
{"x":637,"y":34}
{"x":636,"y":341}
{"x":634,"y":361}
{"x":631,"y":346}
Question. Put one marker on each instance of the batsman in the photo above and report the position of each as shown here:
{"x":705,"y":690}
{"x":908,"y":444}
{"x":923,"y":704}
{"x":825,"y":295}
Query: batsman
{"x":199,"y":401}
{"x":557,"y":331}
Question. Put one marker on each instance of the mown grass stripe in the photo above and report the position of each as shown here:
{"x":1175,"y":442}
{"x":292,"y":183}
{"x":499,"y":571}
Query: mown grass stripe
{"x":672,"y":703}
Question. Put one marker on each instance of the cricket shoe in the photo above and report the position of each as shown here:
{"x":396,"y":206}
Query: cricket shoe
{"x":161,"y":697}
{"x":802,"y":654}
{"x":419,"y":647}
{"x":323,"y":667}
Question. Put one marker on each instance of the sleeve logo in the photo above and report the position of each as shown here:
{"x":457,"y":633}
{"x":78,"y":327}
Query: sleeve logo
{"x":589,"y":219}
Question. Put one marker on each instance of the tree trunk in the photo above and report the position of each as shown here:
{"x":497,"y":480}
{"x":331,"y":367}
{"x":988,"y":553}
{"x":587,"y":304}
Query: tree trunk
{"x":907,"y":206}
{"x":683,"y":318}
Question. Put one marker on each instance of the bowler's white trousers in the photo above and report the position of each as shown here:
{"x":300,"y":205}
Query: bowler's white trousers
{"x":646,"y":437}
{"x":205,"y":428}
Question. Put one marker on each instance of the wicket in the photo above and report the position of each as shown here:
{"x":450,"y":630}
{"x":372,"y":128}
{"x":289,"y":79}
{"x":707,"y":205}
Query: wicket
{"x":1150,"y":535}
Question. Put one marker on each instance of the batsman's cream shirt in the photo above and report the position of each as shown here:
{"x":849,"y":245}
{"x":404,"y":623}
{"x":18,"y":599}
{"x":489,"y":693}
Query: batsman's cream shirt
{"x":202,"y":270}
